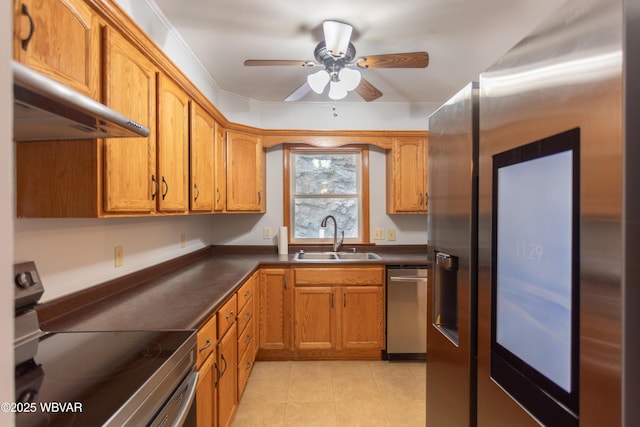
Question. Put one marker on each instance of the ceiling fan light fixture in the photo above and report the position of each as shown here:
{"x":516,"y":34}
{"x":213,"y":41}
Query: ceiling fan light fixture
{"x":350,"y":77}
{"x":336,"y":37}
{"x":337,"y":90}
{"x":318,"y":81}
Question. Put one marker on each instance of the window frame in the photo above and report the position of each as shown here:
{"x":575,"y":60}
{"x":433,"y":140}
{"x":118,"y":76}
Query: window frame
{"x":364,"y":196}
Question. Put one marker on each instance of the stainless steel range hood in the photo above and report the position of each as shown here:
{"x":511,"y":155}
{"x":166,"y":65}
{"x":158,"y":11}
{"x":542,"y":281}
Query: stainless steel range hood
{"x":47,"y":110}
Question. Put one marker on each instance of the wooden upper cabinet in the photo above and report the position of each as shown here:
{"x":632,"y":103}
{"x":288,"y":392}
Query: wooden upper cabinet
{"x":220,"y":170}
{"x":201,"y":154}
{"x":130,"y":180}
{"x":173,"y":147}
{"x":245,"y":192}
{"x":407,"y":176}
{"x":61,"y":39}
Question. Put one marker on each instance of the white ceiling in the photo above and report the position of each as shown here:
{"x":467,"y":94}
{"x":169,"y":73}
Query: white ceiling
{"x":462,"y":37}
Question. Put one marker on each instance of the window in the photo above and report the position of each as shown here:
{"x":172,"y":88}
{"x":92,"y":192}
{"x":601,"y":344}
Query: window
{"x":321,"y":182}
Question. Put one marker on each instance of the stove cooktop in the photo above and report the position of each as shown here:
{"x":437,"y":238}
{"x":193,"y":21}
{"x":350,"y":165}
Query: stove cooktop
{"x":98,"y":378}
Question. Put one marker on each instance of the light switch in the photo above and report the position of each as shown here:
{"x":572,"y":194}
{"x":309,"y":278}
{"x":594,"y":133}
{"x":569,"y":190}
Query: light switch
{"x":391,"y":234}
{"x":266,"y":233}
{"x":378,"y":234}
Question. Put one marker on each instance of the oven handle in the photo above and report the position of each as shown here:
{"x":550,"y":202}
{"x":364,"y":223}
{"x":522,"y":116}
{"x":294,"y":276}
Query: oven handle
{"x":188,"y":401}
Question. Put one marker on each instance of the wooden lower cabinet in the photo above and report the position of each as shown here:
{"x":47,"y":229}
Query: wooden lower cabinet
{"x":321,"y":313}
{"x":227,"y":384}
{"x":207,"y":373}
{"x":362,"y":317}
{"x":275,"y":309}
{"x":206,"y":395}
{"x":315,"y":318}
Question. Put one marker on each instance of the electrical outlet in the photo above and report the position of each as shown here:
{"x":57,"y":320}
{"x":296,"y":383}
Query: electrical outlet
{"x":378,"y":234}
{"x":391,"y":234}
{"x":266,"y":233}
{"x":118,"y":256}
{"x":183,"y":240}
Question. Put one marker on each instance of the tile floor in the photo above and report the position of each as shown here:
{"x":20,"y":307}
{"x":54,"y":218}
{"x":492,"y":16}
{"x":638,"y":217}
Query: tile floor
{"x":334,"y":393}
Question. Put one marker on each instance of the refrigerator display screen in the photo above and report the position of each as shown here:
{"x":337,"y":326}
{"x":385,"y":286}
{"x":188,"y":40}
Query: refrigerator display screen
{"x":534,"y":292}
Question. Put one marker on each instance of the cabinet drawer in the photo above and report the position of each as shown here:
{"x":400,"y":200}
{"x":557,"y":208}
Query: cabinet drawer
{"x":339,"y":276}
{"x":245,"y":293}
{"x":245,"y":364}
{"x":246,"y":314}
{"x":206,"y":339}
{"x":227,"y":315}
{"x":245,"y":339}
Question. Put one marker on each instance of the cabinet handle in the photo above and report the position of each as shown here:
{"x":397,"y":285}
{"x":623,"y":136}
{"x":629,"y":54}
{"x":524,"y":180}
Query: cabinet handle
{"x":206,"y":346}
{"x":248,"y":316}
{"x":421,"y":199}
{"x":32,"y":27}
{"x":285,"y":282}
{"x":247,"y":367}
{"x":218,"y":193}
{"x":155,"y":187}
{"x":344,"y":299}
{"x":332,"y":300}
{"x":247,"y":294}
{"x":259,"y":197}
{"x":426,"y":199}
{"x":231,"y":314}
{"x":195,"y":199}
{"x":166,"y":187}
{"x":247,"y":338}
{"x":215,"y":365}
{"x":225,"y":365}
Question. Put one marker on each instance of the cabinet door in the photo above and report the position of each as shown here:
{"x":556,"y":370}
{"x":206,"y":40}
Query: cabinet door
{"x":201,"y":154}
{"x":275,"y":309}
{"x":407,"y":169}
{"x":315,"y":319}
{"x":362,"y":319}
{"x":206,"y":393}
{"x":244,"y":172}
{"x":220,"y":169}
{"x":130,"y":181}
{"x":173,"y":147}
{"x":60,"y":39}
{"x":227,"y":385}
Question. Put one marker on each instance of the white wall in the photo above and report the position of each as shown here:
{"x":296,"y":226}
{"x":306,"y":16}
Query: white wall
{"x":6,"y":213}
{"x":72,"y":254}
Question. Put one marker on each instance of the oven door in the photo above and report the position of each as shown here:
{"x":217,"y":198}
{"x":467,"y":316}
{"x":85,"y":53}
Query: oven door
{"x":180,"y":409}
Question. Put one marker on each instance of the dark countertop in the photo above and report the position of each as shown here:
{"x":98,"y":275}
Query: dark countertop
{"x":182,"y":296}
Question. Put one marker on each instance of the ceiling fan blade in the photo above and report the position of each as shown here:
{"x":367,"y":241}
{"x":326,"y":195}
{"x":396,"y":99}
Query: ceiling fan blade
{"x":367,"y":91}
{"x":278,"y":62}
{"x":299,"y":93}
{"x":395,"y":60}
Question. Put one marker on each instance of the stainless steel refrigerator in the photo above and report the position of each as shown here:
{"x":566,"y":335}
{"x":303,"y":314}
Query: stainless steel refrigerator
{"x":558,"y":237}
{"x":452,"y":231}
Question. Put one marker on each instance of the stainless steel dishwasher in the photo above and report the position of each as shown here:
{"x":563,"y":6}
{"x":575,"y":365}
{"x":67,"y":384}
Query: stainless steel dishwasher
{"x":406,"y":312}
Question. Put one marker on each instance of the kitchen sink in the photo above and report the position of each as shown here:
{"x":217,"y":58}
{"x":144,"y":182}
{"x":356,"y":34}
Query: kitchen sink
{"x":335,"y":256}
{"x":315,"y":256}
{"x":358,"y":255}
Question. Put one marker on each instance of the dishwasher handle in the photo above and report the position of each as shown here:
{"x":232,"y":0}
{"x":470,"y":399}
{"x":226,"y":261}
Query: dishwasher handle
{"x":411,"y":279}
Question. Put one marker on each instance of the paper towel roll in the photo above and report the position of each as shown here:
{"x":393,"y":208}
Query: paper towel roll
{"x":283,"y":243}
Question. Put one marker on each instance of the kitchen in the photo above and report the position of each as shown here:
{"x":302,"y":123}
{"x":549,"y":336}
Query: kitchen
{"x":96,"y":257}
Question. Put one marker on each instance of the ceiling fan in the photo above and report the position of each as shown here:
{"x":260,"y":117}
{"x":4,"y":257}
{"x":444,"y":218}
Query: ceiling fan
{"x":340,"y":66}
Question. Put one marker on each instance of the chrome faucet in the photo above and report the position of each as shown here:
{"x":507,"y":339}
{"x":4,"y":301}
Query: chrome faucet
{"x":336,"y":244}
